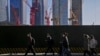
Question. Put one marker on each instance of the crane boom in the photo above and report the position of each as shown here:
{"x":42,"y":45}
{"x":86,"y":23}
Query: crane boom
{"x":15,"y":15}
{"x":74,"y":14}
{"x":33,"y":10}
{"x":47,"y":16}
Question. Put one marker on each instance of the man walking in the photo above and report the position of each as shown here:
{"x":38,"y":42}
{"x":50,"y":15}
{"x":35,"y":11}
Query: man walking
{"x":86,"y":45}
{"x":31,"y":45}
{"x":50,"y":43}
{"x":92,"y":45}
{"x":65,"y":45}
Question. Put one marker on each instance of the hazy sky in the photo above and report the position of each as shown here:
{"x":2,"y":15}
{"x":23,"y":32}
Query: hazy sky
{"x":91,"y":10}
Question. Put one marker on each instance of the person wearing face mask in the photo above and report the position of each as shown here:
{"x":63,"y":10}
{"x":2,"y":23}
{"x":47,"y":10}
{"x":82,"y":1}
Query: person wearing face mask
{"x":86,"y":38}
{"x":92,"y":45}
{"x":65,"y":45}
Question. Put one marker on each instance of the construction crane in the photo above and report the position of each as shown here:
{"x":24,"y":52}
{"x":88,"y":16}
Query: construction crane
{"x":15,"y":15}
{"x":33,"y":10}
{"x":73,"y":18}
{"x":74,"y":14}
{"x":47,"y":16}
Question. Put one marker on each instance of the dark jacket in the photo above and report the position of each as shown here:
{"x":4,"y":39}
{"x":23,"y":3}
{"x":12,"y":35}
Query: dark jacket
{"x":33,"y":42}
{"x":50,"y":42}
{"x":85,"y":43}
{"x":65,"y":44}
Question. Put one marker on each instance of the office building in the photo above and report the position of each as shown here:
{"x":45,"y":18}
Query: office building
{"x":77,"y":9}
{"x":20,"y":10}
{"x":60,"y":12}
{"x":3,"y":10}
{"x":39,"y":15}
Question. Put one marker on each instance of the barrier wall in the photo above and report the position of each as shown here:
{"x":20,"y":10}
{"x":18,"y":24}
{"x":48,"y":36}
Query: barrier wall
{"x":16,"y":36}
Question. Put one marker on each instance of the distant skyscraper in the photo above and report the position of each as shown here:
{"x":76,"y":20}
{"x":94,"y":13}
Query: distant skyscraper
{"x":39,"y":15}
{"x":20,"y":10}
{"x":60,"y":12}
{"x":3,"y":10}
{"x":17,"y":5}
{"x":77,"y":9}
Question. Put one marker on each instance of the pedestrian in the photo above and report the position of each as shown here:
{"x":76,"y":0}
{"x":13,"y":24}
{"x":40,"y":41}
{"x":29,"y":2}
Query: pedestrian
{"x":31,"y":44}
{"x":92,"y":45}
{"x":50,"y":44}
{"x":65,"y":45}
{"x":60,"y":47}
{"x":86,"y":45}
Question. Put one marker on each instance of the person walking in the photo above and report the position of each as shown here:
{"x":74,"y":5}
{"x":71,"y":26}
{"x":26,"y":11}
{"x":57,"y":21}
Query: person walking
{"x":31,"y":44}
{"x":92,"y":45}
{"x":50,"y":44}
{"x":86,"y":45}
{"x":65,"y":45}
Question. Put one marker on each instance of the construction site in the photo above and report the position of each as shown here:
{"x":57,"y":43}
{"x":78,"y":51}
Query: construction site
{"x":37,"y":12}
{"x":39,"y":17}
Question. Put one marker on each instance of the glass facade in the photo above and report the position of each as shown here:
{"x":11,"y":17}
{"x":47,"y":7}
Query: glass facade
{"x":77,"y":5}
{"x":3,"y":10}
{"x":63,"y":12}
{"x":56,"y":11}
{"x":60,"y":12}
{"x":45,"y":9}
{"x":39,"y":15}
{"x":17,"y":4}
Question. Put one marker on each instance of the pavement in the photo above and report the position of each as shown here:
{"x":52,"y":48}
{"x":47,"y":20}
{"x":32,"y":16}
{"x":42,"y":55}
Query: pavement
{"x":41,"y":54}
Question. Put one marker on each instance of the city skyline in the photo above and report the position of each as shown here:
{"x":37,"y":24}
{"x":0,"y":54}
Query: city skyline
{"x":60,"y":12}
{"x":90,"y":12}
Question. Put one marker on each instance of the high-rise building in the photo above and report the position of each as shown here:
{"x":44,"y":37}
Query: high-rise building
{"x":17,"y":5}
{"x":24,"y":13}
{"x":77,"y":10}
{"x":45,"y":9}
{"x":3,"y":10}
{"x":60,"y":12}
{"x":20,"y":10}
{"x":39,"y":14}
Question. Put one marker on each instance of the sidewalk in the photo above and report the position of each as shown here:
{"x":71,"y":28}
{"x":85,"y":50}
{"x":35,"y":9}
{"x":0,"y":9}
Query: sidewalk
{"x":40,"y":54}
